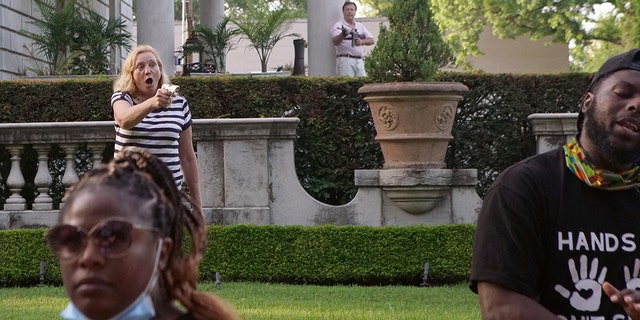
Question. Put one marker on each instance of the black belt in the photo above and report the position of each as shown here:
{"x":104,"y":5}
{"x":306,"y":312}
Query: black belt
{"x":348,"y":56}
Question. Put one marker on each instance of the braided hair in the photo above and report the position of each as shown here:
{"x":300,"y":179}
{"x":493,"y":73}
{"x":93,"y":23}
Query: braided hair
{"x":139,"y":174}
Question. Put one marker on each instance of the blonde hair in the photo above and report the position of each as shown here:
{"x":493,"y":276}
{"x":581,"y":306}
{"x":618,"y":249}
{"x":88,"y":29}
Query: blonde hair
{"x":125,"y":81}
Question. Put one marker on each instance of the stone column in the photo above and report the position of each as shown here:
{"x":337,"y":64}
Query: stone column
{"x":552,"y":130}
{"x":43,"y":179}
{"x":211,"y":14}
{"x":155,"y":28}
{"x":116,"y":53}
{"x":322,"y":54}
{"x":15,"y":180}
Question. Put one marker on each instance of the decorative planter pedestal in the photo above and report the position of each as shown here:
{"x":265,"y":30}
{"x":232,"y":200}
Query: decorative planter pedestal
{"x":448,"y":195}
{"x":413,"y":121}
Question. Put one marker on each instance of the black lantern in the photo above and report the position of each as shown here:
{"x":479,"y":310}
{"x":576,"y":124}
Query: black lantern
{"x":191,"y":46}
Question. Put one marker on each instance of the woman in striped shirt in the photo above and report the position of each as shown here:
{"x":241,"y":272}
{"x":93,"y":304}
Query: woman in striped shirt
{"x":150,"y":117}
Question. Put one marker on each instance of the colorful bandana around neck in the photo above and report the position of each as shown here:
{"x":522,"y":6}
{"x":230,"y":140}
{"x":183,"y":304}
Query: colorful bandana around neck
{"x":598,"y":178}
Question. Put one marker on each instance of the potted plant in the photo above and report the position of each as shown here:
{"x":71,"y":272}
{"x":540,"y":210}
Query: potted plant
{"x":74,"y":40}
{"x":54,"y":40}
{"x":265,"y":28}
{"x":212,"y":44}
{"x":94,"y":38}
{"x":413,"y":116}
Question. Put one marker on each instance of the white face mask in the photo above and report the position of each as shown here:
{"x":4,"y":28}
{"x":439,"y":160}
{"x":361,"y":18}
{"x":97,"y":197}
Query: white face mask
{"x":140,"y":309}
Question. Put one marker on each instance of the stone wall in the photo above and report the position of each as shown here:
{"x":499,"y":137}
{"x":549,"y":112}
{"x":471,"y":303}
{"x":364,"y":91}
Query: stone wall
{"x":247,"y":176}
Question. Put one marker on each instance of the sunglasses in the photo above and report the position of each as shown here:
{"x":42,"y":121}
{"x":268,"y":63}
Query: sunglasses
{"x":113,"y":238}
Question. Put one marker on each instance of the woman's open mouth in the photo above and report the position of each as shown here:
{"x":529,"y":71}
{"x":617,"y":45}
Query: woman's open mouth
{"x":149,"y":81}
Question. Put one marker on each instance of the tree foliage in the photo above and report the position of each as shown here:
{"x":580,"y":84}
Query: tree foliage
{"x":95,"y":37}
{"x":576,"y":22}
{"x":375,"y":7}
{"x":594,"y":28}
{"x":412,"y":48}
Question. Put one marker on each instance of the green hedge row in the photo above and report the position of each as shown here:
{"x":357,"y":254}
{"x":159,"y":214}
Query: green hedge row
{"x":491,"y":130}
{"x":323,"y":255}
{"x":335,"y":135}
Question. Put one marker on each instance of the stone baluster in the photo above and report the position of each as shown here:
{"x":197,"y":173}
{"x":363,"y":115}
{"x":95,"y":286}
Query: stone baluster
{"x":43,"y":179}
{"x":15,"y":181}
{"x":70,"y":174}
{"x":96,"y":149}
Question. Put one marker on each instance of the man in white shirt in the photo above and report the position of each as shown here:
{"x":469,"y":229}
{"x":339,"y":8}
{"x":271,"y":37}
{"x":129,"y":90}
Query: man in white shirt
{"x":348,"y":37}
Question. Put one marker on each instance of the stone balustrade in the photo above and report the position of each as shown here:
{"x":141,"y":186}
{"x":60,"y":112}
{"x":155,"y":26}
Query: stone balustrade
{"x":247,"y":175}
{"x":69,"y":135}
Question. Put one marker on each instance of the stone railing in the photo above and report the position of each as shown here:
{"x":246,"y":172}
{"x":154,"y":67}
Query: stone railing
{"x":247,"y":175}
{"x":69,"y":135}
{"x":42,"y":136}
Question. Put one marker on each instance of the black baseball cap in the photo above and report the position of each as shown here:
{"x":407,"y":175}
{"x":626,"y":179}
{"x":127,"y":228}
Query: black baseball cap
{"x":627,"y":60}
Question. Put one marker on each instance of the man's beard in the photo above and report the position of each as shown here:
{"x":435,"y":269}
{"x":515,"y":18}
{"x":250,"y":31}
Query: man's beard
{"x":612,"y":153}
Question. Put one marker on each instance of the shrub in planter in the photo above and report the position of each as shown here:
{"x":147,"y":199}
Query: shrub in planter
{"x":412,"y":48}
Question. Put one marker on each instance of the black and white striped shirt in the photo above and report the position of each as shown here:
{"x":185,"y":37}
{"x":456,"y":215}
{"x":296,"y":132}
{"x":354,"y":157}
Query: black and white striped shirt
{"x":158,"y":132}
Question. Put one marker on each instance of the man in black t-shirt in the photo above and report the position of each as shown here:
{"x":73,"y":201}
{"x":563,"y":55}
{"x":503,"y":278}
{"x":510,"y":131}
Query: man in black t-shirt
{"x":558,"y":235}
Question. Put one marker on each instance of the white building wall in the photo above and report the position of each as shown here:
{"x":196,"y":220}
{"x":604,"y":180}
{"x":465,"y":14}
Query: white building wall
{"x":244,"y":59}
{"x":13,"y":18}
{"x":519,"y":55}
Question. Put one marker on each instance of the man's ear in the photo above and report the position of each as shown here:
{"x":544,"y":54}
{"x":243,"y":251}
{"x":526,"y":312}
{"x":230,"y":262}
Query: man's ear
{"x":167,"y":246}
{"x":586,"y":102}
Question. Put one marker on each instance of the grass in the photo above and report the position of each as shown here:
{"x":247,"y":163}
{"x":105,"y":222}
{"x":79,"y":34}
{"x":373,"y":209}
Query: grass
{"x":282,"y":302}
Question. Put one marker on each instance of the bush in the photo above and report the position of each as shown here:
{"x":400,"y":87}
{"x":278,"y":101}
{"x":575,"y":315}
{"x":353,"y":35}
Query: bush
{"x":324,"y":255}
{"x":412,"y":49}
{"x":328,"y":255}
{"x":491,"y":130}
{"x":22,"y":251}
{"x":335,"y":134}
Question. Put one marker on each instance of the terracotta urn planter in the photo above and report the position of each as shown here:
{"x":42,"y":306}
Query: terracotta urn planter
{"x":413,"y":121}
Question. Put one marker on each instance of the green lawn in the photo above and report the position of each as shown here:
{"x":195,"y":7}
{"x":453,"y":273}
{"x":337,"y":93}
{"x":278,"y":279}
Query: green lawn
{"x":278,"y":301}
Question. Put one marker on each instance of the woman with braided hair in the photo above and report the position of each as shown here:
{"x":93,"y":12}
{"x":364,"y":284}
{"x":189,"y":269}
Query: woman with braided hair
{"x":120,"y":245}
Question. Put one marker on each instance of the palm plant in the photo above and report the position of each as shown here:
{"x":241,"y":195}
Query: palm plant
{"x":55,"y":39}
{"x":264,"y":28}
{"x":75,"y":40}
{"x":95,"y":37}
{"x":214,"y":43}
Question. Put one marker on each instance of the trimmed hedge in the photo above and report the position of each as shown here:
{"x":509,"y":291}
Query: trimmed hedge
{"x":491,"y":129}
{"x":335,"y":135}
{"x":323,"y":255}
{"x":21,"y":251}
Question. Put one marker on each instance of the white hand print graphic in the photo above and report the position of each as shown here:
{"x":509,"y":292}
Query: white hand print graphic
{"x":633,"y":283}
{"x":587,"y":293}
